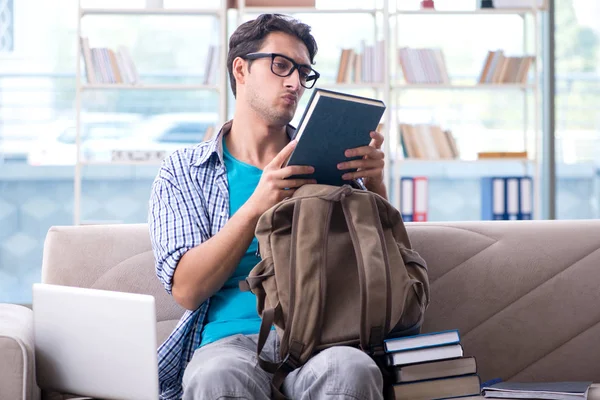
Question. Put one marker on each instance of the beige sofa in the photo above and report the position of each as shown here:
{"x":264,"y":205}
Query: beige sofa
{"x":525,"y":295}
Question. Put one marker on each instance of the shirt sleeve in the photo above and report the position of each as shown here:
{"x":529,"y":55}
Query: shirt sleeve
{"x":173,"y":224}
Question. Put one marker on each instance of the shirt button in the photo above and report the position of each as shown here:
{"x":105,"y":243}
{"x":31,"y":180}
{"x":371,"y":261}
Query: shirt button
{"x":223,"y":213}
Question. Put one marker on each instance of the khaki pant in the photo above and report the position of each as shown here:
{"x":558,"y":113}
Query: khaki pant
{"x":228,"y":369}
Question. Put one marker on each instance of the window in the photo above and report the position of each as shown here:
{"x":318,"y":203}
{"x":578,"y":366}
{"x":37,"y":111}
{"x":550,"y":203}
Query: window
{"x":7,"y":43}
{"x":577,"y":100}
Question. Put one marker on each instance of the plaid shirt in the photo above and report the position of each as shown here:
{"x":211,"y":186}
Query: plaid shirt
{"x":189,"y":204}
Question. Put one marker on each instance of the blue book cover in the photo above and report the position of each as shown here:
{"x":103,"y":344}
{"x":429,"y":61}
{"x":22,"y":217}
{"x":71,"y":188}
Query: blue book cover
{"x":332,"y":123}
{"x":422,"y":341}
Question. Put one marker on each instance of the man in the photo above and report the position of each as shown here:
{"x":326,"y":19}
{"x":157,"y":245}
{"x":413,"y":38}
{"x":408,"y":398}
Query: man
{"x":204,"y":207}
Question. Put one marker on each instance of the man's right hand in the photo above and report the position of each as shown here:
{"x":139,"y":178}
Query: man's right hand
{"x":273,"y":185}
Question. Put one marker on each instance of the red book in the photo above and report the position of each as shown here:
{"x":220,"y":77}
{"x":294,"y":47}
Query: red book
{"x":421,"y":198}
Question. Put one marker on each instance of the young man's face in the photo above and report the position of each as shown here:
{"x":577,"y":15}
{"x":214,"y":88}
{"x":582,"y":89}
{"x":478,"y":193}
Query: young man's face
{"x":274,"y":97}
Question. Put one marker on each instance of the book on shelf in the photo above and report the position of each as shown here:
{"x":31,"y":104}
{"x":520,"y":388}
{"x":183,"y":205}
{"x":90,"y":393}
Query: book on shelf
{"x":501,"y":69}
{"x":506,"y":198}
{"x":430,"y":142}
{"x":414,"y":198}
{"x":364,"y":66}
{"x":423,"y":66}
{"x":413,"y":342}
{"x":538,"y":390}
{"x":104,"y":65}
{"x":443,"y":388}
{"x":332,"y":123}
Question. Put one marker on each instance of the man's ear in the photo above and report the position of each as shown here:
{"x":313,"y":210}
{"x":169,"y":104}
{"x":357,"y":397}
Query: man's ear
{"x":240,"y":70}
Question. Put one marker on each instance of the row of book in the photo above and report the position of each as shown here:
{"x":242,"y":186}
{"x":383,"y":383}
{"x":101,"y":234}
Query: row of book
{"x":428,"y":66}
{"x":430,"y":142}
{"x":430,"y":366}
{"x":414,"y":198}
{"x":104,"y":65}
{"x":366,"y":66}
{"x":423,"y":66}
{"x":506,"y":198}
{"x":499,"y":68}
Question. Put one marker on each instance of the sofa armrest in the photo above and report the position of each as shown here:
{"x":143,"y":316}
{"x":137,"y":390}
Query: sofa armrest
{"x":17,"y":369}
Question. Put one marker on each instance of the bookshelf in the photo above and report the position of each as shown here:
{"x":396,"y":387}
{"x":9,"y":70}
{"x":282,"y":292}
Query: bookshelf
{"x":529,"y":89}
{"x":219,"y":12}
{"x":386,"y":16}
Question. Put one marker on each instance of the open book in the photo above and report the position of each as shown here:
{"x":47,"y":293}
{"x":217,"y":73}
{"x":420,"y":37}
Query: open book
{"x":332,"y":123}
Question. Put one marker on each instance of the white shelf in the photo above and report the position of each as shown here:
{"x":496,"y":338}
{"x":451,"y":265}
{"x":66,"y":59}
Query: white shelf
{"x":350,"y":86}
{"x":150,"y":11}
{"x":459,"y":161}
{"x":307,"y":10}
{"x":479,"y":86}
{"x":120,"y":163}
{"x":151,"y":86}
{"x":483,"y":11}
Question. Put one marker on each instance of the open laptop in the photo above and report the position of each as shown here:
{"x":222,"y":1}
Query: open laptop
{"x":95,"y":343}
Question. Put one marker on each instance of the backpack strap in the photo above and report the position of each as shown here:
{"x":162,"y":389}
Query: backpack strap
{"x":305,"y":318}
{"x":366,"y":232}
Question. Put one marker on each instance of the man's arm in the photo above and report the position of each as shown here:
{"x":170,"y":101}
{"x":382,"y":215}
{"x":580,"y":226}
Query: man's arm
{"x":202,"y":270}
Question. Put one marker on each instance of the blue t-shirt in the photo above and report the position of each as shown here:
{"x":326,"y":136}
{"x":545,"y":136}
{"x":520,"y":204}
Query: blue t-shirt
{"x":232,"y":311}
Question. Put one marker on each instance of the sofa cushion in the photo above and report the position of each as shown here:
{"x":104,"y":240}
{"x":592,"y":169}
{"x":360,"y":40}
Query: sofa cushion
{"x":17,"y":378}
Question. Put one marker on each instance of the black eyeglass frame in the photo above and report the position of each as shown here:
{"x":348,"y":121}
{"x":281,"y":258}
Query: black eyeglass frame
{"x":295,"y":66}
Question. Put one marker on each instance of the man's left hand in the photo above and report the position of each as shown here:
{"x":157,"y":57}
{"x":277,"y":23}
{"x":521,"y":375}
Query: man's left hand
{"x":370,"y":166}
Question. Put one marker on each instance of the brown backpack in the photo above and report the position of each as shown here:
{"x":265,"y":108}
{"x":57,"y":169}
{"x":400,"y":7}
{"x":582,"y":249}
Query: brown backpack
{"x":337,"y":269}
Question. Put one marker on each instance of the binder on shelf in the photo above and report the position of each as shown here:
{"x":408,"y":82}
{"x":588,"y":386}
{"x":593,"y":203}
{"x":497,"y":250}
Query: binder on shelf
{"x":493,"y":198}
{"x":421,"y":199}
{"x":506,"y":198}
{"x":512,"y":198}
{"x":525,"y":197}
{"x":407,"y":199}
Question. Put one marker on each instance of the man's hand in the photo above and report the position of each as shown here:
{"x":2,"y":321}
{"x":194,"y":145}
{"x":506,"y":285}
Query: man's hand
{"x":273,"y":185}
{"x":370,"y":166}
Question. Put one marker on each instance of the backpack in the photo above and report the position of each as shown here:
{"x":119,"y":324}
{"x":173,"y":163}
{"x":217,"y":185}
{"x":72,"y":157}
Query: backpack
{"x":337,"y":268}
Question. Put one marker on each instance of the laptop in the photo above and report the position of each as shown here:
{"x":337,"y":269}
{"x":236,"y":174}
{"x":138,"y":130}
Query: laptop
{"x":95,"y":343}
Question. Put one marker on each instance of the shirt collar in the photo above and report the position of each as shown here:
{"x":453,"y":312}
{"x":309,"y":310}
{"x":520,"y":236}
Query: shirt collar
{"x":215,"y":145}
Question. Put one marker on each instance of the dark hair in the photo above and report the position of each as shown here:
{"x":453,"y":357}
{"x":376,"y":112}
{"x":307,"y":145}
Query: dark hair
{"x":249,"y":38}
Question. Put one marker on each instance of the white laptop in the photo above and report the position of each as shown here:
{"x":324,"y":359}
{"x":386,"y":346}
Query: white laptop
{"x":95,"y":343}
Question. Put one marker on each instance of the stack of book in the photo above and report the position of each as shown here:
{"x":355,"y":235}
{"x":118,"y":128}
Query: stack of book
{"x":430,"y":366}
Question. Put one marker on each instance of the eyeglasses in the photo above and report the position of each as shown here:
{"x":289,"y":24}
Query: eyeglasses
{"x":284,"y":66}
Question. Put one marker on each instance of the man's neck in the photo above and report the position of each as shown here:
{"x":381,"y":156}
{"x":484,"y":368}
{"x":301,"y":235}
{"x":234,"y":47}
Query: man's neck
{"x":253,"y":141}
